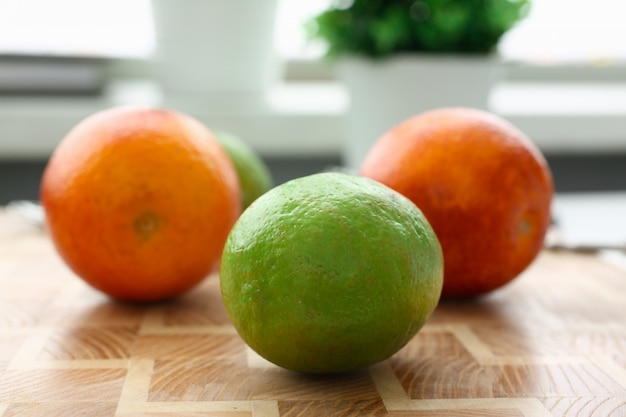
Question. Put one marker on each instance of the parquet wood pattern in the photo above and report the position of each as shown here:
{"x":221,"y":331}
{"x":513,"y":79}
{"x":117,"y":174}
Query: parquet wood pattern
{"x":553,"y":343}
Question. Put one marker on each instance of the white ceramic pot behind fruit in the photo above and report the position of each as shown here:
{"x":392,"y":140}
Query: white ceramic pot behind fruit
{"x":215,"y":48}
{"x":386,"y":92}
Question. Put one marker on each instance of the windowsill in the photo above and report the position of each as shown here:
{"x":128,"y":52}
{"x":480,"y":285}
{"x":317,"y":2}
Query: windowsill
{"x":306,"y":118}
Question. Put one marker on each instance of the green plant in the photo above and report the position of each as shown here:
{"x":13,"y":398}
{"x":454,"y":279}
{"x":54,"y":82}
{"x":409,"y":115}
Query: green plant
{"x":378,"y":28}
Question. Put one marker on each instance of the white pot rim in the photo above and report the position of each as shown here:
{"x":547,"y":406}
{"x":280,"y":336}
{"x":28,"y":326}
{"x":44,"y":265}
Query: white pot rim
{"x":403,"y":57}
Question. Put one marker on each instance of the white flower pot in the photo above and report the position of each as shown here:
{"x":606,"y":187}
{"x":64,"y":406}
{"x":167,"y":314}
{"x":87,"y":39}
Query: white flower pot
{"x":215,"y":47}
{"x":386,"y":92}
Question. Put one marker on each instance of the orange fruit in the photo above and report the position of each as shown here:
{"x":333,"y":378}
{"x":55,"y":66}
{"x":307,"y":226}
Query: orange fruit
{"x":330,"y":273}
{"x":139,"y":202}
{"x":255,"y":178}
{"x":485,"y":188}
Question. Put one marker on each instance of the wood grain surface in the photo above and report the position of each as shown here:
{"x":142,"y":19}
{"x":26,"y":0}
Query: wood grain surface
{"x":552,"y":343}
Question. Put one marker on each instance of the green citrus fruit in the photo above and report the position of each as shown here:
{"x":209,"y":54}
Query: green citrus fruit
{"x":330,"y":273}
{"x":255,"y":178}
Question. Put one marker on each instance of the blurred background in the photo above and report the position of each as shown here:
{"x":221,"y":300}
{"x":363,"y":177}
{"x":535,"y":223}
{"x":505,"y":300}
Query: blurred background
{"x":248,"y":67}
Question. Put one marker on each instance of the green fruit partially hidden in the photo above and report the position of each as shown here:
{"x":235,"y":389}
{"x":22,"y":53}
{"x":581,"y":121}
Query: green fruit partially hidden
{"x":330,"y":273}
{"x":255,"y":178}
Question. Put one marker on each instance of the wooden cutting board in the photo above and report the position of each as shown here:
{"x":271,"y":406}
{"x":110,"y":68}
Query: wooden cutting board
{"x":553,"y":343}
